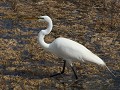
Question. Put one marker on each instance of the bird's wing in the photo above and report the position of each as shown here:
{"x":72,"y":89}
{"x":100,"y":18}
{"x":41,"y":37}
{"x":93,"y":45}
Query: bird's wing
{"x":69,"y":49}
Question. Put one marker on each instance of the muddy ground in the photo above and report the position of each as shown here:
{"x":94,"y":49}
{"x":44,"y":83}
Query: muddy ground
{"x":24,"y":65}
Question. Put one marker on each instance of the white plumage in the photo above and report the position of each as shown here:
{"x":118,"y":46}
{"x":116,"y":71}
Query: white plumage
{"x":71,"y":50}
{"x":67,"y":49}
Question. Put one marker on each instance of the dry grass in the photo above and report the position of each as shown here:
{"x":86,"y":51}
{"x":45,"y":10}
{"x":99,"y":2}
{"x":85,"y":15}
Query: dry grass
{"x":24,"y":65}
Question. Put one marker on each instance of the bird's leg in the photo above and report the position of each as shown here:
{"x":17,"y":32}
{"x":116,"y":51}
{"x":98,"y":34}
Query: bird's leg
{"x":61,"y":71}
{"x":74,"y":71}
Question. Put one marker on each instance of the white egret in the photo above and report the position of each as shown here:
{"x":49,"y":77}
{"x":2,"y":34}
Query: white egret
{"x":67,"y":49}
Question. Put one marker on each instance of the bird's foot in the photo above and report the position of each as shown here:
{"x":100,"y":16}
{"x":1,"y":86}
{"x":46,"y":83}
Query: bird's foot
{"x":56,"y":74}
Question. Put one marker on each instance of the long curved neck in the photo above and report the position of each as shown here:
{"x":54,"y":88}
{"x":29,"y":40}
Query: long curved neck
{"x":42,"y":43}
{"x":50,"y":26}
{"x":42,"y":34}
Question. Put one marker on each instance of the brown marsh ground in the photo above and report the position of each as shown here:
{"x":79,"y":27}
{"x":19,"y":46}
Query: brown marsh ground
{"x":24,"y":65}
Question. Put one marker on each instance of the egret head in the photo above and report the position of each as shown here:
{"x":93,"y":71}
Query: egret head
{"x":40,"y":18}
{"x":44,"y":18}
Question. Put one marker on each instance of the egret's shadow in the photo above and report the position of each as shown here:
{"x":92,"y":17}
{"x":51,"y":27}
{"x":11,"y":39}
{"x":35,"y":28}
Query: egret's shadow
{"x":27,"y":74}
{"x":34,"y":70}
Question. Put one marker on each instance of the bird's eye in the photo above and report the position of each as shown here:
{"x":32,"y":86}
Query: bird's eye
{"x":40,"y":17}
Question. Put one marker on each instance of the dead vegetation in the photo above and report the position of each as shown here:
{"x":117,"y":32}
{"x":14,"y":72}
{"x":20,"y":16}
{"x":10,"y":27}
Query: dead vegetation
{"x":24,"y":65}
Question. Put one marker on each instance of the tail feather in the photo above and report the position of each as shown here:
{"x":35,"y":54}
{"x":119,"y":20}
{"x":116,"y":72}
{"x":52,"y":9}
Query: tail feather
{"x":110,"y":70}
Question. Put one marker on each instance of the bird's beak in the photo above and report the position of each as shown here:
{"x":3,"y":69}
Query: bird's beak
{"x":22,"y":18}
{"x":34,"y":18}
{"x":31,"y":18}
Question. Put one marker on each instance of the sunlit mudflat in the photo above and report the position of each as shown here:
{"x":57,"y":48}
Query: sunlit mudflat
{"x":24,"y":65}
